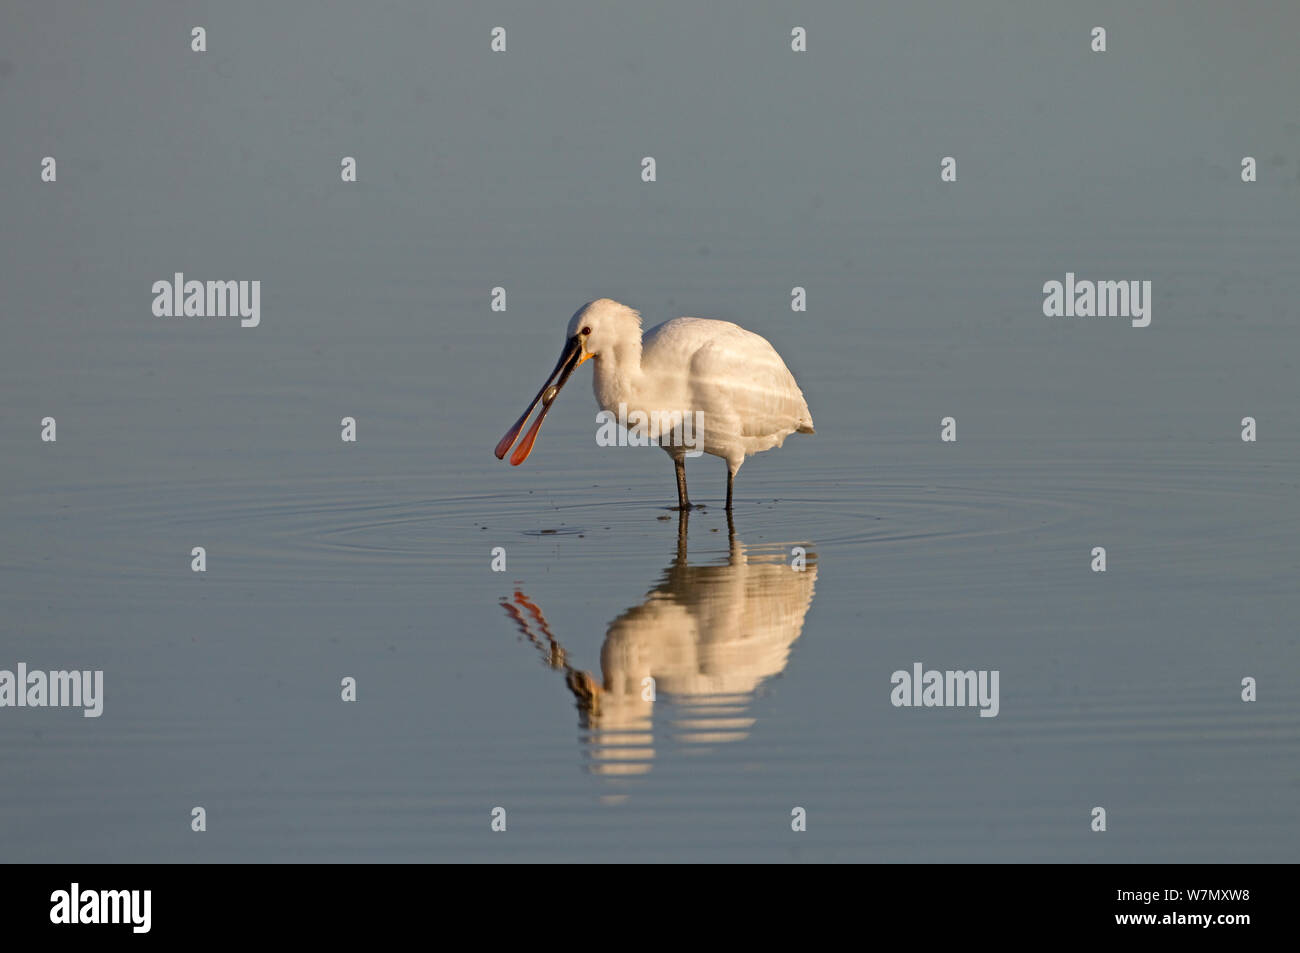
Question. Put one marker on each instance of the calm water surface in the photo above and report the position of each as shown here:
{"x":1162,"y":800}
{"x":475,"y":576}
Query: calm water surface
{"x":522,"y":689}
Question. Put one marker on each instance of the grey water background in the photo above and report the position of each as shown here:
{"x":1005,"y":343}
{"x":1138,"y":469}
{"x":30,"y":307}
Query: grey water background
{"x":775,"y":169}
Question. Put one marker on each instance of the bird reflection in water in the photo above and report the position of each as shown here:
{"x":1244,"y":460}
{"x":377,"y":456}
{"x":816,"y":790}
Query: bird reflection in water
{"x":702,"y":643}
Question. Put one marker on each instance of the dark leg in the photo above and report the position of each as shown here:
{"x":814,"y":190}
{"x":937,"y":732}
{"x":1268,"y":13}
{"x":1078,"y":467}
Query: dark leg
{"x":731,"y":477}
{"x":682,"y":502}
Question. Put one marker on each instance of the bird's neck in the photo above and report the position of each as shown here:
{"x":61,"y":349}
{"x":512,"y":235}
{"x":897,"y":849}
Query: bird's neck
{"x":617,"y":374}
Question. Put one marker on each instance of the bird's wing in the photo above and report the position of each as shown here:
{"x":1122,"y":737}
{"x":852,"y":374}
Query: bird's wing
{"x":732,"y":374}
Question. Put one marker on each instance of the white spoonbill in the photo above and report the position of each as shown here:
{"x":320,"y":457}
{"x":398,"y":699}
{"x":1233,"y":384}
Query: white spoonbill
{"x":735,"y":388}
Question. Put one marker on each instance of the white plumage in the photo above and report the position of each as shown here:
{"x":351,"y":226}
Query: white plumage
{"x":744,"y":396}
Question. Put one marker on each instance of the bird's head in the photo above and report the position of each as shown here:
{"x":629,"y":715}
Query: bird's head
{"x":598,"y":326}
{"x":595,"y":328}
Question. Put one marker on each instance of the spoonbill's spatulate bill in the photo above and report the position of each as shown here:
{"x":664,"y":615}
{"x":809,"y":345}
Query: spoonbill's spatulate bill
{"x":688,"y":384}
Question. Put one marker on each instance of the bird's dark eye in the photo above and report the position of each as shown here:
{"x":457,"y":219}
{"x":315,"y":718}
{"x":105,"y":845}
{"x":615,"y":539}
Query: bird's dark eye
{"x":586,"y":330}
